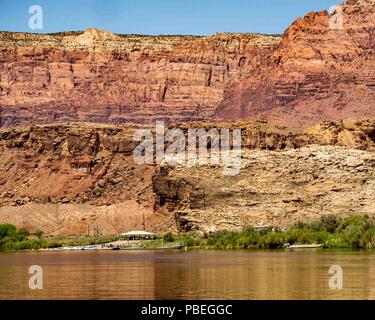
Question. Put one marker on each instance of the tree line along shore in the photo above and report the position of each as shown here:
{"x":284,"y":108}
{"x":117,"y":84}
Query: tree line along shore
{"x":330,"y":231}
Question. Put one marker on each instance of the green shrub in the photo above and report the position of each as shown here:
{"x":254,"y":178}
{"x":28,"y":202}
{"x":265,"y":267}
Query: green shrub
{"x":273,"y":240}
{"x":191,"y":239}
{"x":329,"y":223}
{"x":22,"y":234}
{"x":38,"y":233}
{"x":7,"y":230}
{"x":168,"y":237}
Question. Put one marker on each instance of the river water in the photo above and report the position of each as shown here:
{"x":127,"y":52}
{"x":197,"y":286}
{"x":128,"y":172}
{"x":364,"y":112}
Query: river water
{"x":298,"y":274}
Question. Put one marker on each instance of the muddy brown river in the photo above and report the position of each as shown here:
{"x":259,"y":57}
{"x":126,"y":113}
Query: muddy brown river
{"x":298,"y":274}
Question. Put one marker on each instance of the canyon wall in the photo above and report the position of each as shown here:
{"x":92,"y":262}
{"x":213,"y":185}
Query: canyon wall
{"x":317,"y":72}
{"x":73,"y":178}
{"x":70,"y":179}
{"x":97,"y":76}
{"x":311,"y":73}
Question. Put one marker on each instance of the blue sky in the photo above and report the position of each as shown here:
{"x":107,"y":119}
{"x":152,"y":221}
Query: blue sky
{"x":197,"y":17}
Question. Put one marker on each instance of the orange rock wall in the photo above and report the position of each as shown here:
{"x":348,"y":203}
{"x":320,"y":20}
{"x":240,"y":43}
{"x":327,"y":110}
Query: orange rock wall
{"x":98,"y":76}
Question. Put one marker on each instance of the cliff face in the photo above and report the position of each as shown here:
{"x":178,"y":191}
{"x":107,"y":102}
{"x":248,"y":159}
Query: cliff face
{"x":315,"y":73}
{"x":67,"y":179}
{"x":312,"y":73}
{"x":278,"y":188}
{"x":70,"y":178}
{"x":285,"y":177}
{"x":98,"y":76}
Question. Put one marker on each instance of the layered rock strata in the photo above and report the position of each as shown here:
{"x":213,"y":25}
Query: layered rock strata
{"x":75,"y":178}
{"x":98,"y":76}
{"x":323,"y":69}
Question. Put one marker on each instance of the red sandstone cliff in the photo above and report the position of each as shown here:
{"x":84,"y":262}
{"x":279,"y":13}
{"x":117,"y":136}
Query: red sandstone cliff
{"x":102,"y":77}
{"x":316,"y":73}
{"x":311,"y":74}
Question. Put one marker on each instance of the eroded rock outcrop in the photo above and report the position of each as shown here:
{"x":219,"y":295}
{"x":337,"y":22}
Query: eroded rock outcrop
{"x":286,"y":176}
{"x":70,"y":179}
{"x":278,"y":188}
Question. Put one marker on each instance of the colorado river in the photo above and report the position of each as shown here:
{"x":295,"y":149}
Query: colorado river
{"x":189,"y":275}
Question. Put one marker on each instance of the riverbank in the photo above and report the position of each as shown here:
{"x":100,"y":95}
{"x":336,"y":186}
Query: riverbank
{"x":12,"y":239}
{"x":352,"y":232}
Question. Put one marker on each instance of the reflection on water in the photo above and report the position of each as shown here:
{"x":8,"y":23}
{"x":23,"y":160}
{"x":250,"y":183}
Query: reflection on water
{"x":188,"y":275}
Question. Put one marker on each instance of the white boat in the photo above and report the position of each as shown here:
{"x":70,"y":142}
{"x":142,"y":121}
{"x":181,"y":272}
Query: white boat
{"x":302,"y":246}
{"x":90,"y":247}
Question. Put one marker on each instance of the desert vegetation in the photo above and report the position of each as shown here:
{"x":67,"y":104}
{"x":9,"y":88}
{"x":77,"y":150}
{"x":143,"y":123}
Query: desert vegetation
{"x":13,"y":239}
{"x":352,"y":232}
{"x":355,"y":232}
{"x":333,"y":232}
